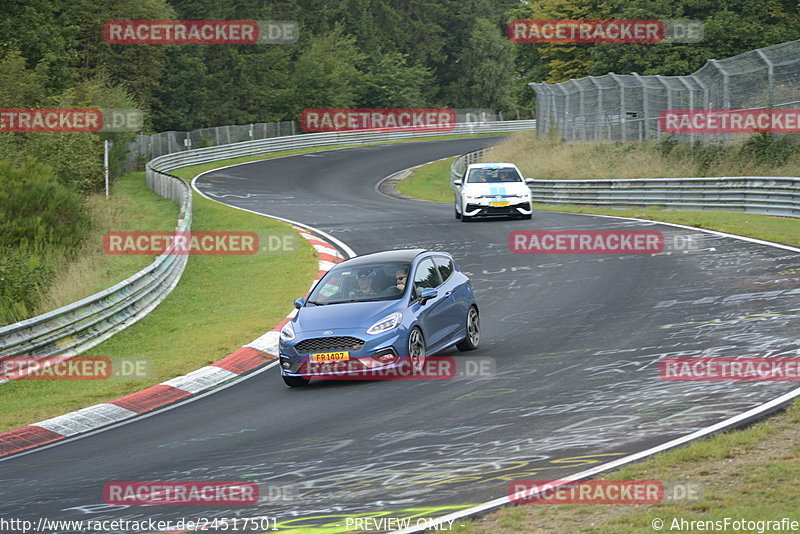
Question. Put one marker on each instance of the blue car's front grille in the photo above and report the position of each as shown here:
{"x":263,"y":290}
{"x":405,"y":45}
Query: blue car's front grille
{"x":334,"y":343}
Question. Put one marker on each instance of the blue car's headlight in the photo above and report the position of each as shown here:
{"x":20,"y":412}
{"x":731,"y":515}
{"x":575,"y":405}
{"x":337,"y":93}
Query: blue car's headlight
{"x":287,"y":332}
{"x":386,"y":324}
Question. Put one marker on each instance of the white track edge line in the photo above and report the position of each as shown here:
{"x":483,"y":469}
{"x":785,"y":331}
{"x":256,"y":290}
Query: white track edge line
{"x":658,"y":448}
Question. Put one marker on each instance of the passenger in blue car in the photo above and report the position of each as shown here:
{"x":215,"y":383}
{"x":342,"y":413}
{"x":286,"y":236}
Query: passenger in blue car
{"x":401,"y":276}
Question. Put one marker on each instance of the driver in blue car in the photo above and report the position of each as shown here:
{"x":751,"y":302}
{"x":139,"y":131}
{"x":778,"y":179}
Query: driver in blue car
{"x":365,"y":289}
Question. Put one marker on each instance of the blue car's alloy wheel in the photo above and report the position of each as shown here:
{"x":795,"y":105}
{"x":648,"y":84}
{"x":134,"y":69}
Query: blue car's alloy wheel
{"x":416,"y":348}
{"x":473,"y":331}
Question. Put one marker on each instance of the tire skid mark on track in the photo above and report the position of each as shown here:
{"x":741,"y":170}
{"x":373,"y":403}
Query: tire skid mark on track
{"x":463,"y":462}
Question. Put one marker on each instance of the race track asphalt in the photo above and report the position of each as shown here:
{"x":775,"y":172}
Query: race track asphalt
{"x":574,"y":340}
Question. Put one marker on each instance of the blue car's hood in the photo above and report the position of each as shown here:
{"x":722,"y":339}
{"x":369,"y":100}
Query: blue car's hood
{"x":344,"y":315}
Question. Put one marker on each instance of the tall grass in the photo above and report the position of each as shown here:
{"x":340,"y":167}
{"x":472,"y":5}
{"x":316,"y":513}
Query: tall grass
{"x":131,"y":207}
{"x":551,"y":158}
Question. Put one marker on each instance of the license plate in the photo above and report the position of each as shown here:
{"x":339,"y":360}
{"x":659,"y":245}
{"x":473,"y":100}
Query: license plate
{"x":500,"y":204}
{"x":322,"y":357}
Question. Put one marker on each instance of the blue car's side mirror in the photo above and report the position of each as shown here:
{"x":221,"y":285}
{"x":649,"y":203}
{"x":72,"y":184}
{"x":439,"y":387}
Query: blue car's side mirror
{"x":299,"y":303}
{"x":427,"y":294}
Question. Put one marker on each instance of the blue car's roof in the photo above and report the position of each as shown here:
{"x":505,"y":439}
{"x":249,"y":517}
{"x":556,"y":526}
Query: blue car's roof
{"x":406,"y":255}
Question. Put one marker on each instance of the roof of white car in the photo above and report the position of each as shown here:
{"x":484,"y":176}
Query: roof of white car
{"x":490,"y":165}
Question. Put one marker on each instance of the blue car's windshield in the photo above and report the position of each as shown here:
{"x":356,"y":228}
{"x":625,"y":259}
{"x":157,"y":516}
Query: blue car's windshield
{"x":376,"y":281}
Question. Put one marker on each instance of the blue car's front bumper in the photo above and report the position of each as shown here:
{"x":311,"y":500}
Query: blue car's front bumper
{"x":296,"y":363}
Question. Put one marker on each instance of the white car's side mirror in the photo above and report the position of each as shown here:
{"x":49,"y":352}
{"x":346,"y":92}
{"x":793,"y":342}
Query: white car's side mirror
{"x":528,"y":180}
{"x":457,"y":182}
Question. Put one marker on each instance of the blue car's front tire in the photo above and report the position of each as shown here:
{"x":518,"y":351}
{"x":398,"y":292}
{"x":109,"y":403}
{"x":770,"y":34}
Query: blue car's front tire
{"x":416,"y":348}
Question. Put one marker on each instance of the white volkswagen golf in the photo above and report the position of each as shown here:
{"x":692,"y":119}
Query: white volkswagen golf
{"x":492,"y":189}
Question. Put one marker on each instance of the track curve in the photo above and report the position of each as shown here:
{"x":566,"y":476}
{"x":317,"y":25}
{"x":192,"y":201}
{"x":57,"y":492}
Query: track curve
{"x":575,"y":340}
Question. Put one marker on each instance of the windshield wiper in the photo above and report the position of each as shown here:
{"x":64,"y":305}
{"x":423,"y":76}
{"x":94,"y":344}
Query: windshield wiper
{"x":315,"y":303}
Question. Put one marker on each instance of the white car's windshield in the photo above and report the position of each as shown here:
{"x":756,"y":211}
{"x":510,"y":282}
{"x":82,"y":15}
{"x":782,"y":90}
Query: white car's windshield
{"x":378,"y":281}
{"x":485,"y":176}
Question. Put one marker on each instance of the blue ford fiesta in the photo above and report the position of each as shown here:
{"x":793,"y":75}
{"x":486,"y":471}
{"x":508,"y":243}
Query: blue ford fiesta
{"x":380,"y":311}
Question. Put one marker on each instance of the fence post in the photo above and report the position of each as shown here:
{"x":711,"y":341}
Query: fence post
{"x":726,"y":93}
{"x":622,"y":117}
{"x":770,"y":78}
{"x":599,"y":121}
{"x":691,"y":101}
{"x":645,"y":107}
{"x":581,"y":109}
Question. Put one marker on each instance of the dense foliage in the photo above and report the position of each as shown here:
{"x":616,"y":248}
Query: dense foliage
{"x":365,"y":53}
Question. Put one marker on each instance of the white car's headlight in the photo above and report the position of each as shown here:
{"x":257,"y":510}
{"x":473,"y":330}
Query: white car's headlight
{"x":386,"y":324}
{"x":472,"y":197}
{"x":287,"y":332}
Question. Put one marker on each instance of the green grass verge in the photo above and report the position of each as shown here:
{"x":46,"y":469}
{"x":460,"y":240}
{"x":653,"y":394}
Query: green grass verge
{"x":431,"y":182}
{"x":750,"y":473}
{"x":784,"y":230}
{"x":221,"y":303}
{"x":746,"y":474}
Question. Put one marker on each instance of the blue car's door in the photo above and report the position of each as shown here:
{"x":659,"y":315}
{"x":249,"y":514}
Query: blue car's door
{"x":433,"y":314}
{"x":456,"y":306}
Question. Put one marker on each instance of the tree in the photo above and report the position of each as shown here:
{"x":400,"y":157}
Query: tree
{"x":327,"y":74}
{"x":392,"y":83}
{"x":731,"y":27}
{"x":486,"y":70}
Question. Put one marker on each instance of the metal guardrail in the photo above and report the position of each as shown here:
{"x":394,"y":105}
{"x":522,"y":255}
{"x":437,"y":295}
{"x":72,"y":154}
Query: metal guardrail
{"x":79,"y":326}
{"x":147,"y":147}
{"x":299,"y":142}
{"x":766,"y":195}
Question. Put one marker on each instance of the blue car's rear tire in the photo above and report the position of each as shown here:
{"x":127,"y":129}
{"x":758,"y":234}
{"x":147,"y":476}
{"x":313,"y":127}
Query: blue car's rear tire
{"x":473,"y":337}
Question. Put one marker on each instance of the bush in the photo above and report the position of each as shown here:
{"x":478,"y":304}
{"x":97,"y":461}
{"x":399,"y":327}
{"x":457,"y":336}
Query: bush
{"x":767,"y":148}
{"x":25,"y":273}
{"x":36,"y":208}
{"x":41,"y":219}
